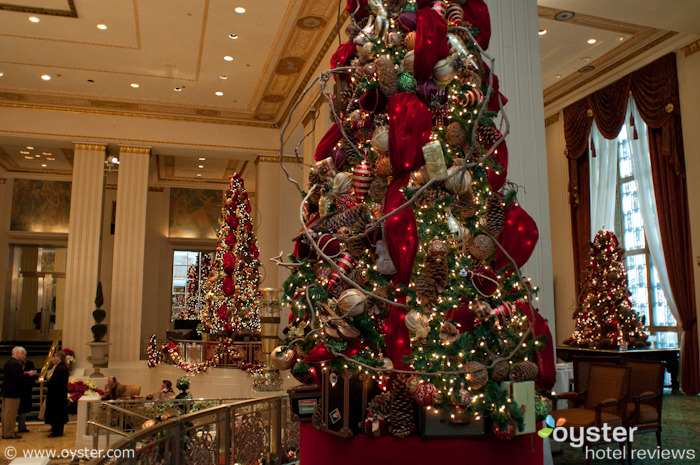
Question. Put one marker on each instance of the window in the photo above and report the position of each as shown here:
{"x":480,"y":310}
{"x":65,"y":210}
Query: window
{"x":189,"y":269}
{"x":648,"y":298}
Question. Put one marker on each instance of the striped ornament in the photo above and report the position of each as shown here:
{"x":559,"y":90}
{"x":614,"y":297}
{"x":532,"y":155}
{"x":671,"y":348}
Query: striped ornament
{"x":455,"y":15}
{"x":346,"y":264}
{"x":362,"y":176}
{"x":441,"y":7}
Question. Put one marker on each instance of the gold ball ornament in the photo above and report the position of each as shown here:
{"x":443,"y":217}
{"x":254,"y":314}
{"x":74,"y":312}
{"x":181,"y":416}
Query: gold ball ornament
{"x":342,"y":183}
{"x":460,"y":180}
{"x":351,"y":302}
{"x":482,"y":310}
{"x":482,"y":247}
{"x":409,"y":40}
{"x":437,"y":248}
{"x":443,"y":72}
{"x":282,"y":358}
{"x":408,"y":62}
{"x":380,"y":140}
{"x":382,"y":165}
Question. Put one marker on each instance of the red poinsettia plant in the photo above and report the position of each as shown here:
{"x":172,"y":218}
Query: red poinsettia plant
{"x":77,"y":389}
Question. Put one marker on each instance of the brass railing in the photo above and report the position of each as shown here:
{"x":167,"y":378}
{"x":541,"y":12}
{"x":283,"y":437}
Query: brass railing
{"x":247,"y":432}
{"x":241,"y":355}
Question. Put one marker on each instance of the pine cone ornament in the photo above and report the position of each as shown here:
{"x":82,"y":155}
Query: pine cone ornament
{"x":394,"y":7}
{"x":435,"y":268}
{"x":388,"y":79}
{"x":494,"y":215}
{"x":313,"y":180}
{"x":524,"y":371}
{"x":488,"y":135}
{"x":358,"y":276}
{"x":401,"y":411}
{"x":464,"y":205}
{"x":426,"y":289}
{"x":432,"y":194}
{"x":349,"y":218}
{"x":381,"y":404}
{"x":317,"y":417}
{"x":378,"y":189}
{"x":355,"y":247}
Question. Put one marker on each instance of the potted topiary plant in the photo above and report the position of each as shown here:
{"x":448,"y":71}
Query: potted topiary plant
{"x":98,"y":347}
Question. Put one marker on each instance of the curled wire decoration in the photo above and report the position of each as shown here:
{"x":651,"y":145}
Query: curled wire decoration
{"x":504,"y":128}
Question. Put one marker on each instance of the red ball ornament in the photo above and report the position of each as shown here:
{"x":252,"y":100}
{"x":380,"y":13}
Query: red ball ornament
{"x":485,"y":280}
{"x":505,"y":434}
{"x":229,"y":263}
{"x":303,"y":250}
{"x":463,"y":316}
{"x":228,"y":286}
{"x":518,"y":238}
{"x":230,"y":240}
{"x":329,"y":245}
{"x":222,"y":312}
{"x":426,"y":394}
{"x":232,"y":221}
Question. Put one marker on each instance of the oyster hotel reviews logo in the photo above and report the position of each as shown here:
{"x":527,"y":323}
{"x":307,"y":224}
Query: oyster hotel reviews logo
{"x":578,"y":437}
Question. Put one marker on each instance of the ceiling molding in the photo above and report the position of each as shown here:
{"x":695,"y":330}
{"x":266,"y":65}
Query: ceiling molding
{"x":551,"y":120}
{"x":89,"y":147}
{"x":70,"y":12}
{"x":691,"y":48}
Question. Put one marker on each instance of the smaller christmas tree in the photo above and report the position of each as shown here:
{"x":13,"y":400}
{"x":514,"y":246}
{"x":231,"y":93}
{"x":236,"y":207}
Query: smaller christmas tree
{"x":231,"y":288}
{"x":605,"y":318}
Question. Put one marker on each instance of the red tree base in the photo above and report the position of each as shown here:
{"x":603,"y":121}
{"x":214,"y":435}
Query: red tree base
{"x":319,"y":448}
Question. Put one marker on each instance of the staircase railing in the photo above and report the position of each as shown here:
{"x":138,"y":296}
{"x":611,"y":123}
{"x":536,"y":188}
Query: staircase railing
{"x":247,"y":432}
{"x":47,"y":364}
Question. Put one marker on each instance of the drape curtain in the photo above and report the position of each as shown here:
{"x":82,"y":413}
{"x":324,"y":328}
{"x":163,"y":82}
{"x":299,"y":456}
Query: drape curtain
{"x":655,"y":92}
{"x":603,"y":181}
{"x":641,"y":165}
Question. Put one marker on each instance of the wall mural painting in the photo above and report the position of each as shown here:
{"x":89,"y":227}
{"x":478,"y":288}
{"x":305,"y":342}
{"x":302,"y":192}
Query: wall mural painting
{"x":40,"y":206}
{"x":194,"y":213}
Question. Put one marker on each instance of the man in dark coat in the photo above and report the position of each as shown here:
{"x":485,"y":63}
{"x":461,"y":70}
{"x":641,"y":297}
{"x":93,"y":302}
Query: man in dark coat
{"x":57,"y":396}
{"x":25,"y":402}
{"x":13,"y":385}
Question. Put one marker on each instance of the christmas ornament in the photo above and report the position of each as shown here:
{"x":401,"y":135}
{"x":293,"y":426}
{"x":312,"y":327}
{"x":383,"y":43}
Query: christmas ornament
{"x":472,"y":97}
{"x":342,"y":184}
{"x":372,"y":101}
{"x":387,"y":77}
{"x":418,"y":323}
{"x":500,"y":371}
{"x":484,"y":280}
{"x":434,"y":159}
{"x":407,"y":82}
{"x":505,"y":434}
{"x":518,"y":238}
{"x":329,"y":245}
{"x":440,"y":6}
{"x":386,"y":363}
{"x":407,"y":20}
{"x":282,"y":358}
{"x":409,"y":61}
{"x":482,"y":247}
{"x":385,"y":264}
{"x":448,"y":332}
{"x":324,"y":168}
{"x":338,"y":156}
{"x":524,"y":371}
{"x":455,"y":134}
{"x":393,"y":39}
{"x":382,"y":166}
{"x":345,"y":202}
{"x":351,"y":302}
{"x":409,"y":40}
{"x":455,"y":14}
{"x":362,"y":175}
{"x":437,"y":248}
{"x":346,"y":263}
{"x":482,"y":310}
{"x":378,"y":188}
{"x":401,"y":410}
{"x":443,"y":72}
{"x":460,"y":180}
{"x":380,"y":143}
{"x":477,"y":376}
{"x":426,"y":395}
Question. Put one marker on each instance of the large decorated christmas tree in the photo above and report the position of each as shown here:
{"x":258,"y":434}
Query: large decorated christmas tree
{"x":231,"y":288}
{"x":605,"y":318}
{"x":407,"y":267}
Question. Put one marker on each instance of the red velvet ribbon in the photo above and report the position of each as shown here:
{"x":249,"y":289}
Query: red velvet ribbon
{"x":325,"y":147}
{"x":342,"y":57}
{"x":477,"y":14}
{"x":359,"y":8}
{"x":431,"y":42}
{"x":518,"y":238}
{"x":497,"y":180}
{"x":493,"y":104}
{"x":410,"y":124}
{"x":545,"y":358}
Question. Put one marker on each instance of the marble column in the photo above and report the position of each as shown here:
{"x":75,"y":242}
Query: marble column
{"x":267,"y":199}
{"x":128,"y":262}
{"x":83,"y":254}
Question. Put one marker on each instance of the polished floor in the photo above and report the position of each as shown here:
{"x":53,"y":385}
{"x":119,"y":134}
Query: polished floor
{"x":37,"y":440}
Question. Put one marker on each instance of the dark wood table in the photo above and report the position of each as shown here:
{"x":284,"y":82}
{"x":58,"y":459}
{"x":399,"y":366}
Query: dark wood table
{"x":670,"y":356}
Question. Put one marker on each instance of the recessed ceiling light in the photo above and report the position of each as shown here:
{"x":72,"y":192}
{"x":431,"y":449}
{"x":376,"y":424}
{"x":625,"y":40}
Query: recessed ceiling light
{"x":219,"y":93}
{"x":564,"y":15}
{"x":45,"y":77}
{"x":102,"y":26}
{"x":43,"y":165}
{"x":29,"y":157}
{"x":50,"y":158}
{"x":46,"y":153}
{"x":228,"y":58}
{"x":557,"y":76}
{"x":586,"y":69}
{"x":618,"y":38}
{"x":199,"y":175}
{"x":34,"y":19}
{"x":200,"y":166}
{"x":24,"y":152}
{"x":239,"y":9}
{"x":223,"y":76}
{"x":586,"y":59}
{"x":37,"y":156}
{"x":2,"y":74}
{"x":29,"y":147}
{"x":178,"y":89}
{"x":592,"y":41}
{"x":233,"y":36}
{"x":134,"y":85}
{"x":542,"y":32}
{"x":202,"y":158}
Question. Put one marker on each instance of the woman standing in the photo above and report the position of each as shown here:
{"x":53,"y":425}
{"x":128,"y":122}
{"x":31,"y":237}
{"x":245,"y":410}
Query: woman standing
{"x":57,"y":396}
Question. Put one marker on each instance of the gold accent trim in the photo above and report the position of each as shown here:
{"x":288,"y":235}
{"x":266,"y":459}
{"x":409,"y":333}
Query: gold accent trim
{"x":267,"y":159}
{"x":146,"y":141}
{"x":89,"y":146}
{"x":551,"y":120}
{"x":2,"y":180}
{"x":134,"y":149}
{"x":691,"y":48}
{"x":71,"y":12}
{"x":590,"y":77}
{"x":319,"y":56}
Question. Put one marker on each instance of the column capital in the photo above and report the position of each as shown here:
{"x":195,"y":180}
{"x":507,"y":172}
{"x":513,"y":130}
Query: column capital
{"x":134,"y":149}
{"x":90,"y":146}
{"x":275,"y":159}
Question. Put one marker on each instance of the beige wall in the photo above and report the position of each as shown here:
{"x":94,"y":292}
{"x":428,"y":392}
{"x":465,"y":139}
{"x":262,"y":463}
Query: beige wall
{"x":565,"y":298}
